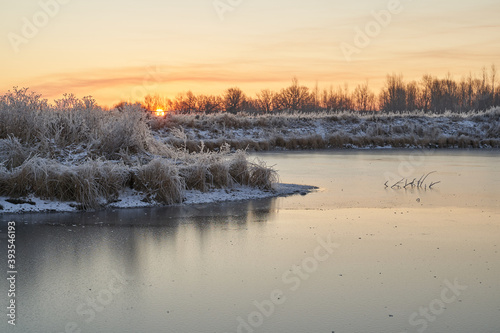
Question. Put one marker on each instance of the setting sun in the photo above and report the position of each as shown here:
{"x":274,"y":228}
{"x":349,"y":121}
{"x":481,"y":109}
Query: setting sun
{"x":159,"y":112}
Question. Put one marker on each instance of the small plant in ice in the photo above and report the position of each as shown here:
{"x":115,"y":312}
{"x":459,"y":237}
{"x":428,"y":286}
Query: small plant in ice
{"x":404,"y":183}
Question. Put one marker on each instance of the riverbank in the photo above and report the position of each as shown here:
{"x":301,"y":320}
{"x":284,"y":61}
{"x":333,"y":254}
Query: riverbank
{"x":134,"y":199}
{"x":319,"y":130}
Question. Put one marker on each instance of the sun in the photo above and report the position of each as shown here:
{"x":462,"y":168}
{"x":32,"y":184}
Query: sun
{"x":159,"y":112}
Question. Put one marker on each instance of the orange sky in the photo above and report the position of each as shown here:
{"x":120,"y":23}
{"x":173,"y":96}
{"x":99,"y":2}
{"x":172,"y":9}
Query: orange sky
{"x":124,"y":50}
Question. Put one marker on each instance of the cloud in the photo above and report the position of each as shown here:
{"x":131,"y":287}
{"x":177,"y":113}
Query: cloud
{"x":89,"y":82}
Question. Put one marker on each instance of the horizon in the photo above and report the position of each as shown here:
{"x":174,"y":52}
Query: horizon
{"x":125,"y":53}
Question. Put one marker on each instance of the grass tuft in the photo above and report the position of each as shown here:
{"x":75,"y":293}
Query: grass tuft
{"x":160,"y":181}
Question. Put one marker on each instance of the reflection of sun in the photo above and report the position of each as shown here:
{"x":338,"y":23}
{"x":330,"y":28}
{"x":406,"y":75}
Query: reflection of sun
{"x":160,"y":112}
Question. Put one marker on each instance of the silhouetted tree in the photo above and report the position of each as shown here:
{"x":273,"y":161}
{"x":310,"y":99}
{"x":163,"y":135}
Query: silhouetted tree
{"x":315,"y":98}
{"x":208,"y":103}
{"x":494,"y":95}
{"x":429,"y":94}
{"x":393,"y":95}
{"x":154,"y":102}
{"x":363,"y":98}
{"x":185,"y":102}
{"x":234,"y":100}
{"x":295,"y":97}
{"x":412,"y":92}
{"x":264,"y":100}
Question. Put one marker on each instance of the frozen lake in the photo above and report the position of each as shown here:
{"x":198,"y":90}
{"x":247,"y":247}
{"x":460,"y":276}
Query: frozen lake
{"x":353,"y":256}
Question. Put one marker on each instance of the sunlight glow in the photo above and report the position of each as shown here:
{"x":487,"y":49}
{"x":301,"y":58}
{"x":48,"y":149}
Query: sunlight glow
{"x":159,"y":112}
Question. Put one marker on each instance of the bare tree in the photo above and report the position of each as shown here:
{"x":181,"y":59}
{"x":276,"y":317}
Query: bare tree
{"x":493,"y":92}
{"x":208,"y":103}
{"x":265,"y":100}
{"x":329,"y":99}
{"x":234,"y":100}
{"x":412,"y":93}
{"x":462,"y":94}
{"x":344,"y":99}
{"x":315,"y":98}
{"x":425,"y":92}
{"x":154,"y":102}
{"x":363,"y":98}
{"x":185,"y":102}
{"x":484,"y":98}
{"x":295,"y":97}
{"x":393,"y":95}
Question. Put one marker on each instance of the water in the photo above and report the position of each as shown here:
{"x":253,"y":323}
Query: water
{"x":353,"y":256}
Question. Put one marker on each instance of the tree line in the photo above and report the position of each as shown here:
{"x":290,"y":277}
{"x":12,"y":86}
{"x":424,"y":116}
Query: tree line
{"x":429,"y":94}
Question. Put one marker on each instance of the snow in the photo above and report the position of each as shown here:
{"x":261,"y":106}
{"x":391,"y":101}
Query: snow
{"x":410,"y":130}
{"x":134,"y":199}
{"x":39,"y":206}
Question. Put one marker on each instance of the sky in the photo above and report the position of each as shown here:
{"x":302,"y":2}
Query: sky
{"x":122,"y":51}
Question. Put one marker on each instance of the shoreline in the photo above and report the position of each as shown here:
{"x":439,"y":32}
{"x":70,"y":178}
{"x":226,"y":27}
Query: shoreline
{"x":133,"y":199}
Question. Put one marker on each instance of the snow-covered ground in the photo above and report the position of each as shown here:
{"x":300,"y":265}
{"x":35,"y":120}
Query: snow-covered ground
{"x":134,"y":199}
{"x":333,"y":130}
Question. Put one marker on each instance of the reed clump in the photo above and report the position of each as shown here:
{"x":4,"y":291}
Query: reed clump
{"x":160,"y":181}
{"x":91,"y":184}
{"x":261,"y":176}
